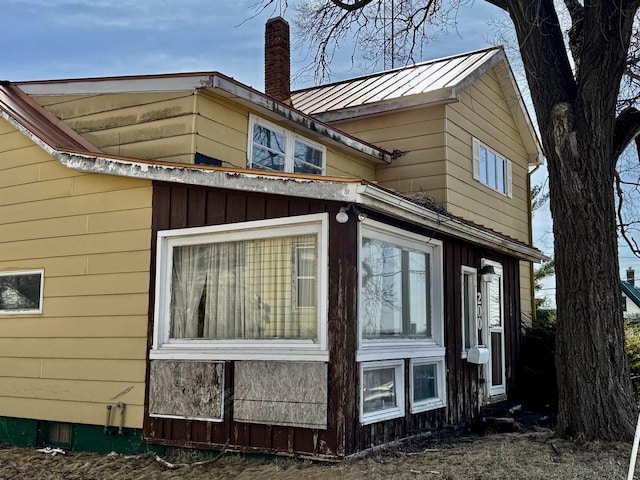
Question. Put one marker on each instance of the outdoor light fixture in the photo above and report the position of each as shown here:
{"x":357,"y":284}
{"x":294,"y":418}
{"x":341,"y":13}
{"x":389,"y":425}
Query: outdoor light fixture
{"x":343,"y":215}
{"x":487,"y":273}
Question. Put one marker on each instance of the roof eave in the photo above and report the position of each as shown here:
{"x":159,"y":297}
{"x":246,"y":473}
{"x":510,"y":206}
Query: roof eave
{"x":354,"y":191}
{"x":279,"y":111}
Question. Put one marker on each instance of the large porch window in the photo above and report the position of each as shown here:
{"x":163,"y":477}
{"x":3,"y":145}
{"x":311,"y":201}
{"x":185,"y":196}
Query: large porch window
{"x":254,"y":286}
{"x":401,"y":322}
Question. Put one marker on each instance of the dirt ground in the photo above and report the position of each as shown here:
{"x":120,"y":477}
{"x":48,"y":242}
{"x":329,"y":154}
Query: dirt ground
{"x":512,"y":456}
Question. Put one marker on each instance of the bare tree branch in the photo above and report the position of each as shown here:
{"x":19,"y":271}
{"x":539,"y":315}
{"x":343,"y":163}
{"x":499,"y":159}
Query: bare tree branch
{"x":629,"y":240}
{"x":627,"y":128}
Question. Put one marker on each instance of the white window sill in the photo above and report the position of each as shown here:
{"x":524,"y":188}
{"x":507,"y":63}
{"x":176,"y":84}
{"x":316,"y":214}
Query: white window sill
{"x":382,"y":415}
{"x":238,"y":353}
{"x":372,"y":352}
{"x":427,"y":405}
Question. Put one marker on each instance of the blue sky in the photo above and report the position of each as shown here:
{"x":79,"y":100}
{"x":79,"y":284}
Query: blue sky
{"x":47,"y":39}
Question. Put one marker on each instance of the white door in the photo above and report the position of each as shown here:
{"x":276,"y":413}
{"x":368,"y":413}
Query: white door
{"x":493,"y":330}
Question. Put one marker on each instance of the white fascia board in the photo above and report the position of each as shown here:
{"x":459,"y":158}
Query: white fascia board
{"x":122,"y":85}
{"x":443,"y":95}
{"x":242,"y":181}
{"x":282,"y":111}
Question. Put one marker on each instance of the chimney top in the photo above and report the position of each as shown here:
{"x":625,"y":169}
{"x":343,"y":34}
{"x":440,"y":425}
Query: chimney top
{"x":277,"y":59}
{"x":631,"y":275}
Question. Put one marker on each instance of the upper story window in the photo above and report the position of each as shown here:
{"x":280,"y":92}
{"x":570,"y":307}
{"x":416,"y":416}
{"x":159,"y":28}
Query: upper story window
{"x":491,"y":168}
{"x":246,"y":290}
{"x":21,"y":292}
{"x":274,"y":148}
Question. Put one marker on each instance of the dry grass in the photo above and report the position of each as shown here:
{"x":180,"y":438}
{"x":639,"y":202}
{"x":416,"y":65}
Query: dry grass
{"x":512,"y":456}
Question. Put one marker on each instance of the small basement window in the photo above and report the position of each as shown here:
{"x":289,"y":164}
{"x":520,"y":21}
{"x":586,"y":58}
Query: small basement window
{"x":21,"y":292}
{"x":427,"y":384}
{"x":56,"y":434}
{"x":275,"y":148}
{"x":382,"y":391}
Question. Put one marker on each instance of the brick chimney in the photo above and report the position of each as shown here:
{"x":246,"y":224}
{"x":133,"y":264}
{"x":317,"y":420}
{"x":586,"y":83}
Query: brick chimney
{"x":631,"y":275}
{"x":277,"y":64}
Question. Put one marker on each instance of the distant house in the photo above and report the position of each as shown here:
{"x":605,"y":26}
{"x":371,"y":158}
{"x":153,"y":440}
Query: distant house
{"x":630,"y":297}
{"x":218,"y":268}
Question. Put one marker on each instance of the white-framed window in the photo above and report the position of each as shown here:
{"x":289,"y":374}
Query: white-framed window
{"x":492,"y":169}
{"x":275,"y":148}
{"x":469,"y":311}
{"x":234,"y":291}
{"x":21,"y":292}
{"x":400,"y":302}
{"x":426,"y":384}
{"x":382,"y":392}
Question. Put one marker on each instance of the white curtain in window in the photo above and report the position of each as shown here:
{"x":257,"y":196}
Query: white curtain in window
{"x":188,"y":280}
{"x":242,"y":290}
{"x":226,"y":295}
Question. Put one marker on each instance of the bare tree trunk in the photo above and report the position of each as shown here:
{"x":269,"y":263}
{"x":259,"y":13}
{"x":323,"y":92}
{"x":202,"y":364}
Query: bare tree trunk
{"x":595,"y":395}
{"x":577,"y":118}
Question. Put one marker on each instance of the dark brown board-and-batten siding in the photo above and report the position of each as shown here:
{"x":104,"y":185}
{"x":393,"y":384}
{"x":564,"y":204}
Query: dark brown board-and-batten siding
{"x":178,"y":206}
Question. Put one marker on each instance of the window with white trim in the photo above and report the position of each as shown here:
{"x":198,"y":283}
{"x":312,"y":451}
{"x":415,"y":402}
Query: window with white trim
{"x":253,"y":290}
{"x":426,"y":378}
{"x":21,"y":292}
{"x":382,"y":393}
{"x":469,"y":310}
{"x":274,"y":148}
{"x":492,"y":169}
{"x":400,"y":316}
{"x":400,"y":289}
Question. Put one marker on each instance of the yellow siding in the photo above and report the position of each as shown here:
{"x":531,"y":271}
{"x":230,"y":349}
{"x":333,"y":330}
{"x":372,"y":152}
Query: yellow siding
{"x":222,"y":133}
{"x":483,"y":113}
{"x":526,"y":299}
{"x":91,"y":234}
{"x":144,"y":125}
{"x":420,"y":134}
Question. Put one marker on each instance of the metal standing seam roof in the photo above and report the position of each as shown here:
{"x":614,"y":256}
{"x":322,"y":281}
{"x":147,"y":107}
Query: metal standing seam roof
{"x":416,"y":79}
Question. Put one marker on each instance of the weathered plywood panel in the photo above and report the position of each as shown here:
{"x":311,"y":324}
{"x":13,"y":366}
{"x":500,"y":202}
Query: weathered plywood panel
{"x":281,"y":393}
{"x":189,"y":389}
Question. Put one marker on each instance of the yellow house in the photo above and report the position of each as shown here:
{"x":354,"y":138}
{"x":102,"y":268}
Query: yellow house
{"x":185,"y":261}
{"x":461,"y":136}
